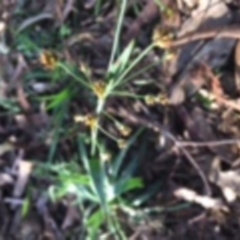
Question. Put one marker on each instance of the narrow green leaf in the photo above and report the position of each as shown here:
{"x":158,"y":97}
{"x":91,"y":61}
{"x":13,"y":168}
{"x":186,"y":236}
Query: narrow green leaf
{"x":121,"y":63}
{"x":120,"y":158}
{"x":85,"y":193}
{"x":37,"y":75}
{"x":94,"y":223}
{"x":59,"y":115}
{"x":117,"y":34}
{"x":124,"y":186}
{"x":26,"y":207}
{"x":59,"y":99}
{"x":97,"y":174}
{"x":9,"y":105}
{"x":76,"y":75}
{"x":133,"y":64}
{"x":148,"y":193}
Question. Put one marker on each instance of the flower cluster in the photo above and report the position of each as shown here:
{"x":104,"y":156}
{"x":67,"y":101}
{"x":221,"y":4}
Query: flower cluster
{"x":48,"y":59}
{"x":161,"y":38}
{"x":152,"y":100}
{"x":88,"y":120}
{"x":99,"y":89}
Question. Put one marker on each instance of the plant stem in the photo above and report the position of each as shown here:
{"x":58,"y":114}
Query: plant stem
{"x":117,"y":34}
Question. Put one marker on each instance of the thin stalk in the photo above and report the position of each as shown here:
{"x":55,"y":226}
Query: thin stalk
{"x":59,"y":121}
{"x":143,"y":70}
{"x":110,"y":117}
{"x":117,"y":34}
{"x":121,"y":234}
{"x":66,"y":69}
{"x":135,"y":62}
{"x":108,"y":134}
{"x":114,"y":228}
{"x":101,"y":101}
{"x":126,"y":94}
{"x":100,"y":105}
{"x":97,"y":7}
{"x":94,"y":136}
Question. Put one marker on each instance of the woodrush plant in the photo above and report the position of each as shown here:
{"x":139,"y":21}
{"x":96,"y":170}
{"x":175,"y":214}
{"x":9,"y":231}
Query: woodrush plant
{"x":102,"y":186}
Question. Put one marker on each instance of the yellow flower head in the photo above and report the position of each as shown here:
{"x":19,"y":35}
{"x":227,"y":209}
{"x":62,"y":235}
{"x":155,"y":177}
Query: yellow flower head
{"x":124,"y":130}
{"x":105,"y":157}
{"x":79,"y":118}
{"x":170,"y":56}
{"x":99,"y":89}
{"x":88,"y":120}
{"x":169,"y":12}
{"x":48,"y":59}
{"x":161,"y":38}
{"x":83,"y":67}
{"x":162,"y":99}
{"x":122,"y":143}
{"x":91,"y":122}
{"x":150,"y":100}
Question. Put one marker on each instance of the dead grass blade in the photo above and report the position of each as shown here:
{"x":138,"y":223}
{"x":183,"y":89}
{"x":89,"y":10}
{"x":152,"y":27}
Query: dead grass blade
{"x":33,"y":20}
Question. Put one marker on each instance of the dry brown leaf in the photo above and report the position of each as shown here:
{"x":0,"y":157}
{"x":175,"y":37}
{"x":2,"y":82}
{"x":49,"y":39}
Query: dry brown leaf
{"x":215,"y":84}
{"x":191,"y":3}
{"x":215,"y":52}
{"x":218,"y":92}
{"x":69,"y":6}
{"x":5,"y":179}
{"x":81,"y":37}
{"x":17,"y":82}
{"x":215,"y":9}
{"x":227,"y":181}
{"x":149,"y":12}
{"x":22,"y":98}
{"x":23,"y":170}
{"x":205,"y":201}
{"x":33,"y":20}
{"x":237,"y":66}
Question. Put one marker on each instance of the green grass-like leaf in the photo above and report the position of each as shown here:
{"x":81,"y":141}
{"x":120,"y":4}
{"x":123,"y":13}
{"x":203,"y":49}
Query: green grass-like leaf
{"x":122,"y":62}
{"x":115,"y":171}
{"x":97,"y":175}
{"x":117,"y":34}
{"x":94,"y":223}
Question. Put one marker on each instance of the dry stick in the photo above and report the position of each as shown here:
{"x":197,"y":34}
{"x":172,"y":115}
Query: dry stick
{"x":131,"y":117}
{"x":208,"y":143}
{"x":197,"y":167}
{"x":18,"y":82}
{"x":232,"y":33}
